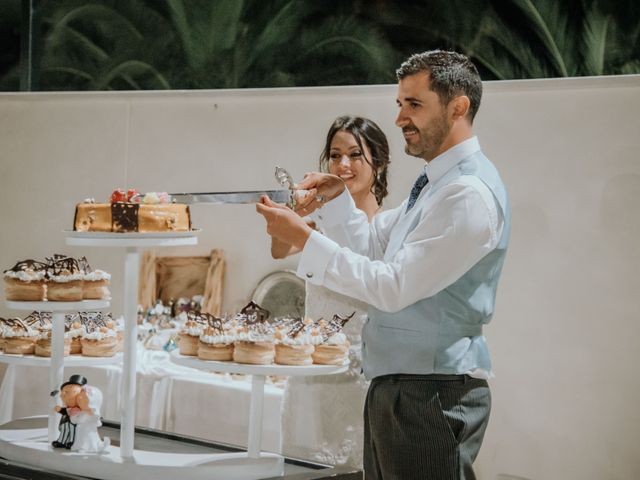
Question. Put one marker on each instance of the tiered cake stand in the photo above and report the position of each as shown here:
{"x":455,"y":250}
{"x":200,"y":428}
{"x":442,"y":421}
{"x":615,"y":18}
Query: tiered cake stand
{"x":258,"y":374}
{"x":57,"y":360}
{"x":25,"y":440}
{"x":132,"y":243}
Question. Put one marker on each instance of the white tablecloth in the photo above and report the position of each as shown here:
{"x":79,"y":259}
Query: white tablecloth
{"x":169,"y":397}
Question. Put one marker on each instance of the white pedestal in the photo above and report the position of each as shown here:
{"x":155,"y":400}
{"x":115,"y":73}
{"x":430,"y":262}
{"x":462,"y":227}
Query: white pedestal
{"x":133,"y":243}
{"x":25,"y":442}
{"x":56,"y":363}
{"x":258,"y":374}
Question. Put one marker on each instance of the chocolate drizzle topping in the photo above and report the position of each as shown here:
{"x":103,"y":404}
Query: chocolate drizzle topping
{"x":16,"y":322}
{"x":25,"y":265}
{"x":61,"y":263}
{"x":93,"y":321}
{"x":84,"y":265}
{"x":296,"y":328}
{"x":342,"y":320}
{"x":40,"y":318}
{"x":254,"y":310}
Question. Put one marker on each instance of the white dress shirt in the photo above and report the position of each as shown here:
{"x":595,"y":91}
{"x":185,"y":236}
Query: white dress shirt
{"x":456,"y":226}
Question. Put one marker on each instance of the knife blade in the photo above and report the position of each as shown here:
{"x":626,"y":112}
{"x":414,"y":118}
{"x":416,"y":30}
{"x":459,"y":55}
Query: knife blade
{"x":278,"y":196}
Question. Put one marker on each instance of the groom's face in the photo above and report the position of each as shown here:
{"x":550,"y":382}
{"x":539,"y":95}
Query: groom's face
{"x":423,"y":118}
{"x":69,"y":395}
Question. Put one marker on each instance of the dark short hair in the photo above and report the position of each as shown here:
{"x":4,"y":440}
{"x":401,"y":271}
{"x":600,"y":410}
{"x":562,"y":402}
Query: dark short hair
{"x":363,"y":129}
{"x":450,"y":74}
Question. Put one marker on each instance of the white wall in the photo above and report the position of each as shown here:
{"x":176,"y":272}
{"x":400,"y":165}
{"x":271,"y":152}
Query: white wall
{"x":563,"y":337}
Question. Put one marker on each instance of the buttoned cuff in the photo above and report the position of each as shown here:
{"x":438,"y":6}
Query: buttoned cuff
{"x":316,"y":255}
{"x":336,"y":211}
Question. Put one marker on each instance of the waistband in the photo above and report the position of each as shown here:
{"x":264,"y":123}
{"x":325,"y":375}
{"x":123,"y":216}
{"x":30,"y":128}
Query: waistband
{"x":432,"y":377}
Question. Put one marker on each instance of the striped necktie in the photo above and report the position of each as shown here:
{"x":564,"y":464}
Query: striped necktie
{"x":417,"y":188}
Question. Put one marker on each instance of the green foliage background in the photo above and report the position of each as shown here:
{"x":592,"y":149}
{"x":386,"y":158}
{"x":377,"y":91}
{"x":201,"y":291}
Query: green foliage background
{"x":196,"y":44}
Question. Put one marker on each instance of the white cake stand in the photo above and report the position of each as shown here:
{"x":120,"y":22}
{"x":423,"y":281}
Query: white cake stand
{"x":258,"y":374}
{"x":133,"y":243}
{"x":56,"y":369}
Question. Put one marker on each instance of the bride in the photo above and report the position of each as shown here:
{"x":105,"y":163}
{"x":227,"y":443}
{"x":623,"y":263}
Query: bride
{"x":87,"y":422}
{"x":322,"y":415}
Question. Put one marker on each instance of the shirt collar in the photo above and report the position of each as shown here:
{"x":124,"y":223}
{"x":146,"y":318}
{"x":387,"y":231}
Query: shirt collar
{"x":444,"y":162}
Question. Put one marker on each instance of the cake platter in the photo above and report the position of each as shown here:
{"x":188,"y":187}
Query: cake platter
{"x":69,"y":360}
{"x":47,"y":306}
{"x":248,"y":369}
{"x":258,"y":375}
{"x":131,"y":239}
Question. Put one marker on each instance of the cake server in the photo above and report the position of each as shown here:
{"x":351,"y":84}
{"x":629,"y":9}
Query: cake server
{"x":251,"y":196}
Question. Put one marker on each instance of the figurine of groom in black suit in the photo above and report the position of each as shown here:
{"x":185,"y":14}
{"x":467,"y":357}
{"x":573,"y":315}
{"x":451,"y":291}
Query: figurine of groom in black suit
{"x":68,"y":394}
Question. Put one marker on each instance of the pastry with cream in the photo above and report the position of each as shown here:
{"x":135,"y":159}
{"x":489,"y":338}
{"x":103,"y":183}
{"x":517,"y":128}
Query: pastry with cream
{"x":95,"y":284}
{"x":43,"y":343}
{"x":215,"y":342}
{"x":189,"y":336}
{"x":98,"y":340}
{"x":296,"y":342}
{"x":65,"y":279}
{"x":26,"y":281}
{"x":254,"y":343}
{"x":334,"y":349}
{"x":19,"y":337}
{"x":75,"y":328}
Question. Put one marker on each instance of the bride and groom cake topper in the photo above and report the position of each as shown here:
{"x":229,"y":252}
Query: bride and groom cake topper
{"x":80,"y":419}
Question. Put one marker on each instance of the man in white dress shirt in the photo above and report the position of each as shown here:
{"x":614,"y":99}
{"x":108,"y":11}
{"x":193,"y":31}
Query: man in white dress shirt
{"x":428,"y":270}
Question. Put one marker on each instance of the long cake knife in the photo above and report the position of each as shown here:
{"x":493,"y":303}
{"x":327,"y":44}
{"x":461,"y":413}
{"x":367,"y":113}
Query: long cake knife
{"x":278,"y":196}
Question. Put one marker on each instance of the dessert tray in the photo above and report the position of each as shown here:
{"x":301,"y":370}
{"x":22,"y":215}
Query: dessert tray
{"x":248,"y":369}
{"x":114,"y":235}
{"x":69,"y":360}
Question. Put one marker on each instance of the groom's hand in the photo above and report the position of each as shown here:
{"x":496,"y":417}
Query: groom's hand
{"x":318,"y":189}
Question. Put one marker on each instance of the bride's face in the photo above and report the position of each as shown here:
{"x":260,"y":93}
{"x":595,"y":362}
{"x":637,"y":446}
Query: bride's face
{"x":83,"y":400}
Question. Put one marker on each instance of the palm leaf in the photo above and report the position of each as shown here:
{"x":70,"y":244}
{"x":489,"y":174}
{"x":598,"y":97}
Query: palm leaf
{"x":595,"y":28}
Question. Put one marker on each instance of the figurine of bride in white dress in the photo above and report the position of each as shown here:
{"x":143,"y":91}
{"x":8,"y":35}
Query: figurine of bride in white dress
{"x":322,"y":415}
{"x":87,"y":422}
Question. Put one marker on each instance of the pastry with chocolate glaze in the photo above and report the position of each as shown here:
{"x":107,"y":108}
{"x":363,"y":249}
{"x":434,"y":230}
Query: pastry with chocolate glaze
{"x":98,"y":339}
{"x":19,"y":338}
{"x":215,"y":342}
{"x":254,"y":337}
{"x":95,"y":282}
{"x":26,"y":281}
{"x":65,"y":279}
{"x":295,"y":343}
{"x":334,"y":349}
{"x":189,"y":336}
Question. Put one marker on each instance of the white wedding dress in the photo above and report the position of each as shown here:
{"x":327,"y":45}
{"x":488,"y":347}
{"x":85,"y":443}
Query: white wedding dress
{"x":322,"y":415}
{"x":87,"y":439}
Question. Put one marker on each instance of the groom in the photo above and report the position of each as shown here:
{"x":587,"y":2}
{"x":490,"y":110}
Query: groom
{"x":428,"y":269}
{"x":69,"y":392}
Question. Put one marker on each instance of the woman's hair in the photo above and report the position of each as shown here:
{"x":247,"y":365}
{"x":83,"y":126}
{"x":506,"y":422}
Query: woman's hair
{"x":365,"y":130}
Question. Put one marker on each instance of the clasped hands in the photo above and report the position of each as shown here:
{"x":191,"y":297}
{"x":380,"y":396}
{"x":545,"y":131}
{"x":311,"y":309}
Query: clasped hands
{"x":287,"y":225}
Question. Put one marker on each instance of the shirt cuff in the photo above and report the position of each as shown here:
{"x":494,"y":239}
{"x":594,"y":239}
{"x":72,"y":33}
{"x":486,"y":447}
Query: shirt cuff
{"x":316,"y":255}
{"x":336,"y":211}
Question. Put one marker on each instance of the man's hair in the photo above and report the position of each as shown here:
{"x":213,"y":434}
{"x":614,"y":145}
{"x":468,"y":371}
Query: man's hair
{"x":450,"y":74}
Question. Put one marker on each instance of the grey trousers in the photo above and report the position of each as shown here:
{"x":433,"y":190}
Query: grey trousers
{"x":427,"y":427}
